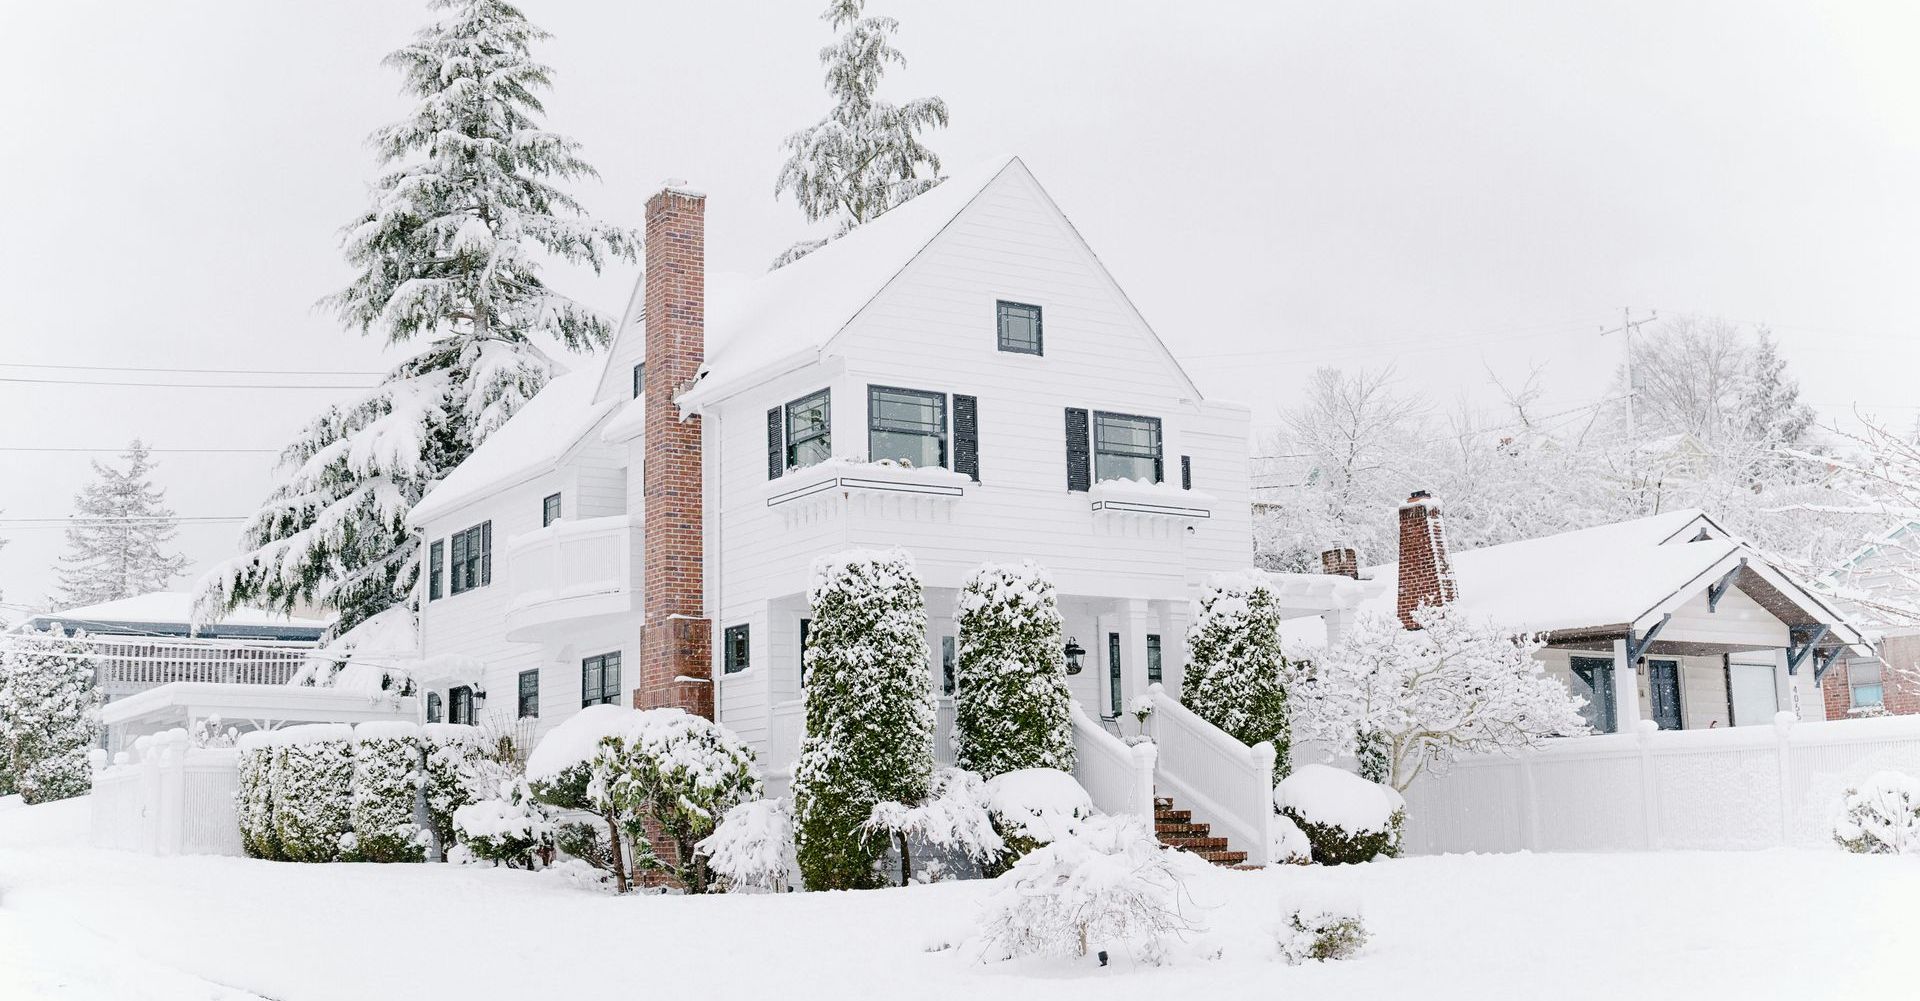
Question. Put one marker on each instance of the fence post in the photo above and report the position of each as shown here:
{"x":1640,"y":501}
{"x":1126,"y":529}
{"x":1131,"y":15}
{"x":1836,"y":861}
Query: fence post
{"x":1649,"y":808}
{"x":1530,"y":799}
{"x":172,"y":786}
{"x":1782,"y":731}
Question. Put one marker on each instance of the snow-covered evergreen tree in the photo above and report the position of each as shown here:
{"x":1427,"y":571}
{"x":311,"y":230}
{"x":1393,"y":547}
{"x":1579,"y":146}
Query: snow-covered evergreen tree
{"x":869,"y":713}
{"x":449,"y":256}
{"x":49,"y":714}
{"x":865,"y":156}
{"x":115,"y":546}
{"x":1012,"y":709}
{"x":1233,"y":678}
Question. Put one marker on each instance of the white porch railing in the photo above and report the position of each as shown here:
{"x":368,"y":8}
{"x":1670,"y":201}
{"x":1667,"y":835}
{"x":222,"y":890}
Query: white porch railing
{"x":167,"y":798}
{"x":1224,"y":782}
{"x":1116,"y":775}
{"x":131,"y":664}
{"x":1723,"y":788}
{"x":569,"y":570}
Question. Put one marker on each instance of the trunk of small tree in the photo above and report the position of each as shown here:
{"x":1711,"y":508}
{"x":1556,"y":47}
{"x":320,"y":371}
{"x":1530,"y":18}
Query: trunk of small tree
{"x":618,"y":855}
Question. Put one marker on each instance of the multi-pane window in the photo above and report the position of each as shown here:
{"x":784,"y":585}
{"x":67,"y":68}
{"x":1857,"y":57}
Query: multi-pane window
{"x":436,"y":564}
{"x":809,"y":430}
{"x":1019,"y":327}
{"x":433,"y":707}
{"x":1126,"y":448}
{"x":734,"y":650}
{"x":1153,"y":658}
{"x":1113,"y":674}
{"x":949,"y":661}
{"x":600,"y":680}
{"x":908,"y":426}
{"x":1863,"y":677}
{"x":639,"y":378}
{"x":460,"y":705}
{"x":473,"y":557}
{"x":549,"y":510}
{"x":529,"y":693}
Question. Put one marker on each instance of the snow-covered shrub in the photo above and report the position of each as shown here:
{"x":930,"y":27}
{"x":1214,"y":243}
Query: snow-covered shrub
{"x":751,"y":851}
{"x":1109,"y":885}
{"x":956,"y":817}
{"x":312,"y":793}
{"x":49,"y":715}
{"x":511,"y":828}
{"x":387,"y":776}
{"x":869,"y":713}
{"x":455,"y":775}
{"x":212,"y":733}
{"x":1403,"y":701}
{"x":1345,"y":818}
{"x":1880,"y":816}
{"x":1011,"y":706}
{"x":253,"y":802}
{"x":683,"y":773}
{"x":1034,"y":807}
{"x":1321,"y":935}
{"x":572,"y":769}
{"x":1234,"y":663}
{"x":1287,"y":843}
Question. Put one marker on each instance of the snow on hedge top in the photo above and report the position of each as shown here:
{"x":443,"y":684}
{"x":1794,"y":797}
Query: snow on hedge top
{"x":794,"y":311}
{"x":671,"y":735}
{"x":529,"y":444}
{"x":1044,"y":804}
{"x":1324,"y":794}
{"x":885,"y":570}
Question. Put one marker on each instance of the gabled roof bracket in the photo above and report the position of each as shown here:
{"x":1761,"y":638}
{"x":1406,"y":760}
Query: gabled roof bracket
{"x":1823,"y":662}
{"x":1797,"y":651}
{"x":1637,"y":647}
{"x":1718,"y":590}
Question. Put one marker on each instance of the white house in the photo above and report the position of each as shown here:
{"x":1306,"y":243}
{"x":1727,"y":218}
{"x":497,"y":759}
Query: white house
{"x":961,"y":378}
{"x":1667,"y":618}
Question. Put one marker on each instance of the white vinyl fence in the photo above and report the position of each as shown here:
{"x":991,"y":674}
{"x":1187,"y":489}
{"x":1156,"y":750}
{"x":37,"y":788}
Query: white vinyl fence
{"x":1722,"y":788}
{"x":1117,"y":776}
{"x":166,"y":797}
{"x":1223,"y":782}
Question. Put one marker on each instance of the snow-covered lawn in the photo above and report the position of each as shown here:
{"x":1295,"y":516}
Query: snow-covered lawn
{"x":77,"y":922}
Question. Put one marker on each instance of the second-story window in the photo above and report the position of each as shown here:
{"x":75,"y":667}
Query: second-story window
{"x":1126,"y":447}
{"x":549,"y":510}
{"x":809,"y":430}
{"x":436,"y":564}
{"x":1019,"y":327}
{"x":473,"y":557}
{"x":907,"y":425}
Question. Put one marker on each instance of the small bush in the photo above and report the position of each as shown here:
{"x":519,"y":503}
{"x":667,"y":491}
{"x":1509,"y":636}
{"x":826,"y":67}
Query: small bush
{"x":1346,"y":818}
{"x":1109,"y":885}
{"x":1322,"y":935}
{"x":387,"y":774}
{"x":312,"y":805}
{"x":511,"y":829}
{"x":454,"y":775}
{"x":752,"y":849}
{"x":253,"y":802}
{"x":1031,"y":808}
{"x":1881,"y":816}
{"x":956,"y":819}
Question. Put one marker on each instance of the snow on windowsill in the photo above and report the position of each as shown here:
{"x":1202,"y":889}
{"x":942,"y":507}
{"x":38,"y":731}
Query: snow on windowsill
{"x":1142,"y":497}
{"x":883,"y":476}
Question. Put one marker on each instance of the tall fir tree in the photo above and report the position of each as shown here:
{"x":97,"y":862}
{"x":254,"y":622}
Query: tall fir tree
{"x":865,"y":157}
{"x":115,"y":547}
{"x":1234,"y":663}
{"x":49,"y":716}
{"x":1012,"y":708}
{"x":869,"y":713}
{"x":451,"y":254}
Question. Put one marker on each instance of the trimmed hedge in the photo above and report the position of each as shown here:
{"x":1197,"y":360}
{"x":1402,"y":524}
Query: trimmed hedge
{"x":387,"y":773}
{"x":312,"y":809}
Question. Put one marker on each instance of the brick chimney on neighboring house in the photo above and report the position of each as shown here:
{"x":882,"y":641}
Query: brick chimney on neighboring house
{"x":1341,"y":562}
{"x":676,"y":639}
{"x":1426,"y":576}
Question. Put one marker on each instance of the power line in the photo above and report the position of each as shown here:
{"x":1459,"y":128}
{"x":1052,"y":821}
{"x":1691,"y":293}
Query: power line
{"x":157,"y":451}
{"x":189,"y":371}
{"x":182,"y":385}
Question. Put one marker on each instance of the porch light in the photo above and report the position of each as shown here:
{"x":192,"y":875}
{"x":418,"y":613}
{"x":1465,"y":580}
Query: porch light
{"x":1074,"y":652}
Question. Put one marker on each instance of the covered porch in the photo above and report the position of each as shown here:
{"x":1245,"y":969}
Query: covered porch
{"x":190,"y":704}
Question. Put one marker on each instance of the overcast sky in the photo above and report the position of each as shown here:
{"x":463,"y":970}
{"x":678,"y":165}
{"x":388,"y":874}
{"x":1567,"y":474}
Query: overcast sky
{"x":1449,"y":187}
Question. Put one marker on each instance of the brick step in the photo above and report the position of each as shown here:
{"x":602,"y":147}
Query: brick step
{"x":1196,"y":844}
{"x":1225,"y":858}
{"x":1173,"y":816}
{"x":1182,"y":830}
{"x":1163,"y":802}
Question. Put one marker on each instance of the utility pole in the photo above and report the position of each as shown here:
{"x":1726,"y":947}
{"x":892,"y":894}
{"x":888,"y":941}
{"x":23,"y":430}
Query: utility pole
{"x":1628,"y":325}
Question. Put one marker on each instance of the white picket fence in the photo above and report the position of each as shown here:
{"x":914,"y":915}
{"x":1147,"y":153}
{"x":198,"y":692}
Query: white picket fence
{"x":1223,"y":782}
{"x":1117,"y":776}
{"x":165,"y":797}
{"x":1722,"y":788}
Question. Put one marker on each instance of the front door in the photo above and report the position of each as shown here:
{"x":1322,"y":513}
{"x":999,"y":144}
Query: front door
{"x":1663,"y":687}
{"x":1593,"y":681}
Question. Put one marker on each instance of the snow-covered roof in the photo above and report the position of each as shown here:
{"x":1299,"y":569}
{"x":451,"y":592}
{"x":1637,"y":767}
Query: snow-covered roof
{"x":171,"y":612}
{"x":531,"y":443}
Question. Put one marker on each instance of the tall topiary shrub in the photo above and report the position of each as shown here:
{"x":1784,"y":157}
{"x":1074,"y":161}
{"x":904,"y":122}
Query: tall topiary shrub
{"x":387,"y":776}
{"x":1012,"y":709}
{"x":869,"y":713}
{"x":1234,"y":662}
{"x":253,"y":801}
{"x":312,"y":793}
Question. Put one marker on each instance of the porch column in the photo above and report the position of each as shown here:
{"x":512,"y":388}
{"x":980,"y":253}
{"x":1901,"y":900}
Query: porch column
{"x":1173,"y":645}
{"x":1626,"y":691}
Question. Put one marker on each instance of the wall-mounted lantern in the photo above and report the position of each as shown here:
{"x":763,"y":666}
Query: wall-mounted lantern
{"x":1074,"y":654}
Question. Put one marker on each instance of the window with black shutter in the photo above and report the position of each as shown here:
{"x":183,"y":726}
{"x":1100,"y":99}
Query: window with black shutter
{"x":529,"y":693}
{"x":966,"y":436}
{"x":549,"y":510}
{"x":473,"y":557}
{"x":735,"y":654}
{"x":776,"y":445}
{"x":1078,"y":450}
{"x":1186,"y":472}
{"x":800,"y":433}
{"x":1126,"y":447}
{"x":436,"y":564}
{"x":1019,"y":325}
{"x":908,"y":426}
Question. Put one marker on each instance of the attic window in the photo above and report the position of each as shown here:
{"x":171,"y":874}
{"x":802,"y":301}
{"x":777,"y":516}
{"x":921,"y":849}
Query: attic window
{"x":1019,"y":327}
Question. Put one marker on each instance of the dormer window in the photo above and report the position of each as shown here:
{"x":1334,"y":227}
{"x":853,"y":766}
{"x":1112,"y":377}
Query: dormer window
{"x":1019,"y":327}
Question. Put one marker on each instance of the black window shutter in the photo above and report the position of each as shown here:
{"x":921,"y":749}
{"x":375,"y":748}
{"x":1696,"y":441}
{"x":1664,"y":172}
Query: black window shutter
{"x":1079,"y":477}
{"x":776,"y":449}
{"x":486,"y":553}
{"x":966,"y":436}
{"x":1186,"y":472}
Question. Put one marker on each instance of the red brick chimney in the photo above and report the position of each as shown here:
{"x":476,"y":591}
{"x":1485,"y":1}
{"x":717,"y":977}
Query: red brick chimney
{"x":1426,"y":576}
{"x":1341,"y":562}
{"x":676,"y":640}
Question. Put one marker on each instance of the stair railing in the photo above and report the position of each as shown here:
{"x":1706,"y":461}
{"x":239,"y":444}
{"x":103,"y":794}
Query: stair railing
{"x":1117,"y":776}
{"x":1224,"y":782}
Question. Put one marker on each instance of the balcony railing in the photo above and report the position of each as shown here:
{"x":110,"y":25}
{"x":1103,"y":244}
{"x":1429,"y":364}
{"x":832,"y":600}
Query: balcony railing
{"x":567,"y":571}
